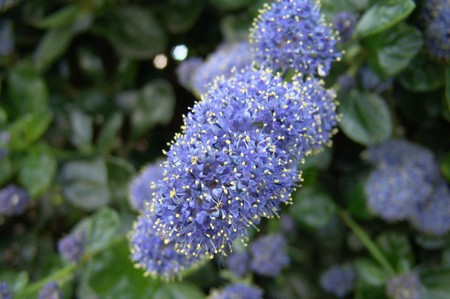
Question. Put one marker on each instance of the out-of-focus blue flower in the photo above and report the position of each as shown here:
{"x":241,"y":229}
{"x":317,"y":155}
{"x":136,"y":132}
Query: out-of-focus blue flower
{"x":405,"y":286}
{"x":338,"y":280}
{"x":140,"y":186}
{"x":372,"y":82}
{"x":436,"y":16}
{"x":226,"y":58}
{"x":154,"y":255}
{"x":236,"y":161}
{"x":237,"y":291}
{"x":5,"y":290}
{"x":344,"y":22}
{"x":50,"y":291}
{"x":71,"y":247}
{"x":6,"y":37}
{"x":346,"y":82}
{"x":13,"y":201}
{"x":186,"y":72}
{"x":291,"y":34}
{"x":288,"y":224}
{"x":238,"y":263}
{"x":269,"y":255}
{"x":433,"y":215}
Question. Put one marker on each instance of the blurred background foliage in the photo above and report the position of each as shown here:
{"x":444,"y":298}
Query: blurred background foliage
{"x":89,"y":95}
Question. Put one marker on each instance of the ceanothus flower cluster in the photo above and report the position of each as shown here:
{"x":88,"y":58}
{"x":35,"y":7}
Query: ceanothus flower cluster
{"x":71,"y":247}
{"x":140,"y":186}
{"x":237,"y":291}
{"x":338,"y":280}
{"x":13,"y":200}
{"x":238,"y":263}
{"x":437,"y":23}
{"x":344,"y":22}
{"x":292,"y":35}
{"x":186,"y":72}
{"x":405,"y":286}
{"x":269,"y":255}
{"x":236,"y":161}
{"x":50,"y":291}
{"x":5,"y":290}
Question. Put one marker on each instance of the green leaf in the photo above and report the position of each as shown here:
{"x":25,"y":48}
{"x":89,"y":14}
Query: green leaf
{"x":52,"y":46}
{"x":181,"y":15}
{"x":370,"y":292}
{"x":312,"y":208}
{"x":422,"y":75}
{"x":28,"y":129}
{"x":436,"y":282}
{"x":134,"y":32}
{"x":382,"y":15}
{"x":81,"y":125}
{"x":445,"y":166}
{"x":37,"y":171}
{"x":357,"y":202}
{"x":397,"y":250}
{"x":155,"y":105}
{"x":6,"y":170}
{"x":365,"y":118}
{"x":61,"y":18}
{"x":227,"y":5}
{"x":85,"y":184}
{"x":26,"y":90}
{"x":120,"y":173}
{"x":369,"y":273}
{"x":179,"y":291}
{"x":447,"y":87}
{"x":392,"y":51}
{"x":108,"y":134}
{"x":113,"y":275}
{"x":235,"y":27}
{"x":17,"y":281}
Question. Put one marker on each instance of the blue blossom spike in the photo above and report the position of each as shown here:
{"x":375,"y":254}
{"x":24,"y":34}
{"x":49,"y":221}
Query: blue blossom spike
{"x":269,"y":255}
{"x":433,"y":215}
{"x":405,"y":286}
{"x":344,"y":22}
{"x":237,"y":291}
{"x":156,"y":256}
{"x":372,"y":82}
{"x":338,"y":280}
{"x":238,"y":263}
{"x":186,"y":72}
{"x":292,"y":35}
{"x":5,"y":290}
{"x":436,"y":17}
{"x":13,"y":201}
{"x":71,"y":247}
{"x":222,"y":62}
{"x":50,"y":291}
{"x":236,"y":159}
{"x":140,"y":186}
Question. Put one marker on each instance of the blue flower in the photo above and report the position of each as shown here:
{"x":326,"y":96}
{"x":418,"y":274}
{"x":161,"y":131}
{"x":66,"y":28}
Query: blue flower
{"x":405,"y":286}
{"x":71,"y":247}
{"x":50,"y":291}
{"x":292,"y":35}
{"x":269,"y":255}
{"x":6,"y":38}
{"x":238,"y":263}
{"x":140,"y":186}
{"x":186,"y":72}
{"x":372,"y":82}
{"x":222,"y":62}
{"x":13,"y":201}
{"x":5,"y":290}
{"x":237,"y":291}
{"x":338,"y":280}
{"x":437,"y":22}
{"x":236,"y":159}
{"x":154,"y":255}
{"x":433,"y":215}
{"x":344,"y":22}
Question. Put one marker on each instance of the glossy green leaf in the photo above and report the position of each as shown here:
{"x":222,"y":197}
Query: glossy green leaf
{"x":155,"y":105}
{"x":179,"y":291}
{"x":397,"y":250}
{"x":422,"y":75}
{"x":365,"y":118}
{"x":392,"y":51}
{"x":120,"y":173}
{"x":81,"y":125}
{"x":85,"y":184}
{"x":181,"y":15}
{"x":37,"y":171}
{"x":52,"y":46}
{"x":6,"y":170}
{"x":370,"y":292}
{"x":445,"y":166}
{"x":61,"y":18}
{"x":109,"y":132}
{"x":27,"y":91}
{"x":369,"y":273}
{"x":29,"y":128}
{"x":382,"y":15}
{"x":436,"y":283}
{"x":357,"y":202}
{"x":135,"y":33}
{"x":312,"y":207}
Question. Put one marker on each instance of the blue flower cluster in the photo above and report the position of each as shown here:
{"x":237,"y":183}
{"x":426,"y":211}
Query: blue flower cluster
{"x":186,"y":70}
{"x":5,"y":290}
{"x":13,"y":201}
{"x":405,"y":286}
{"x":406,"y":185}
{"x":238,"y":263}
{"x":292,"y":35}
{"x":269,"y":255}
{"x":71,"y":247}
{"x":50,"y":291}
{"x":437,"y":24}
{"x":154,"y":255}
{"x":344,"y":22}
{"x":237,"y":291}
{"x":140,"y":187}
{"x":338,"y":280}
